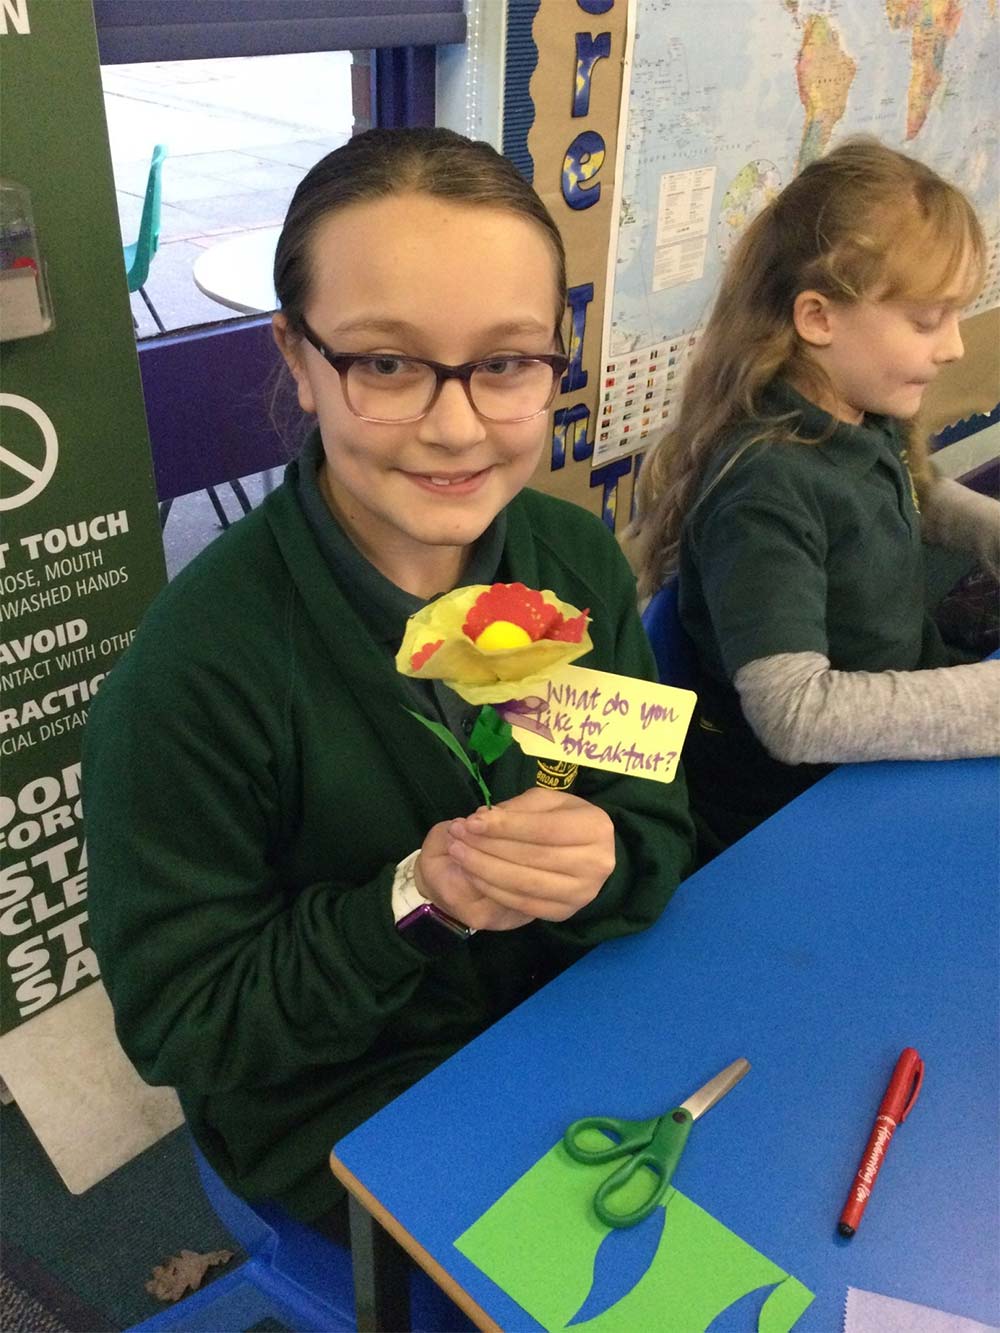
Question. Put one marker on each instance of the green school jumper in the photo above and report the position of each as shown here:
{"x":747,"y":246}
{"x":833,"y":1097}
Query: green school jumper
{"x":797,"y":548}
{"x":251,"y":779}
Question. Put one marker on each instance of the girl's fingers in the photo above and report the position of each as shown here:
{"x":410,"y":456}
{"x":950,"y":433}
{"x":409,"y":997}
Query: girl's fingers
{"x":533,"y":908}
{"x":459,"y":894}
{"x":518,"y":882}
{"x":544,"y":854}
{"x":532,"y":857}
{"x":565,"y":827}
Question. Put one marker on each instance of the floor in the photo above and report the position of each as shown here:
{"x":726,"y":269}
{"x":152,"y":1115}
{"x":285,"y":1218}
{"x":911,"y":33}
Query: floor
{"x":78,"y":1263}
{"x":234,"y":156}
{"x":192,"y":522}
{"x":234,"y":160}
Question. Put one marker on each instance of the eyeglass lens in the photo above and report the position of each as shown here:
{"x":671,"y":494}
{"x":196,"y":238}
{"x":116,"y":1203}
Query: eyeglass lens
{"x":384,"y":388}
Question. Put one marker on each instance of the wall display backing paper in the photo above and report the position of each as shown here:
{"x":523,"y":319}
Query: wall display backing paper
{"x":566,"y":108}
{"x":972,"y":385}
{"x":80,"y":547}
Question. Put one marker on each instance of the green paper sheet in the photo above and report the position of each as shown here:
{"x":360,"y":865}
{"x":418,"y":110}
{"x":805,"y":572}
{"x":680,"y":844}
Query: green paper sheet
{"x":538,"y":1243}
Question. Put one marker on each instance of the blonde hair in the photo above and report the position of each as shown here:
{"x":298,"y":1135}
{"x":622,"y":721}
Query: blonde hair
{"x":862,"y":220}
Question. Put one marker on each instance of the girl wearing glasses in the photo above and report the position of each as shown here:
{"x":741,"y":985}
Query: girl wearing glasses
{"x":264,"y":813}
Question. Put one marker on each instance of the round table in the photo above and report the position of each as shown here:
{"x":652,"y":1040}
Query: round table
{"x":237,"y":271}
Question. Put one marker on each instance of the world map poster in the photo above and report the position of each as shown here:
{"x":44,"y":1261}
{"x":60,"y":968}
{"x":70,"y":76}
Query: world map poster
{"x":726,"y":101}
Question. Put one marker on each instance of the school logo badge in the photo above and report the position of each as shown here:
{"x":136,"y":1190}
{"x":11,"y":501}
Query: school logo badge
{"x":556,"y":774}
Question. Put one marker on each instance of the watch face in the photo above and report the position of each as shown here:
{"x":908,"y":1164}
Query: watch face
{"x":432,"y":931}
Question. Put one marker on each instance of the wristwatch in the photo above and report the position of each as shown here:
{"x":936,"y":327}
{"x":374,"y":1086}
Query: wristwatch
{"x":422,"y":923}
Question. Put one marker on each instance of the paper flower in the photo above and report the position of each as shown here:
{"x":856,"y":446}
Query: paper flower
{"x":493,"y":644}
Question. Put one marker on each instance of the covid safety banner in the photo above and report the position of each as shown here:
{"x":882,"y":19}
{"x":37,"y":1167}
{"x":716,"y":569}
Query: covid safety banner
{"x":80,"y":548}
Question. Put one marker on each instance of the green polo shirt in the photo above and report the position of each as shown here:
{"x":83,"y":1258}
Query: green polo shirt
{"x":793,"y":548}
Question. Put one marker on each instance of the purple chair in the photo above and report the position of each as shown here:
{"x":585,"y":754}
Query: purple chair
{"x":208,"y":395}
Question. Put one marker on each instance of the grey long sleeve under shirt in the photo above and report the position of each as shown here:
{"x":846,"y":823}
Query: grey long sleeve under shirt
{"x":803,"y":711}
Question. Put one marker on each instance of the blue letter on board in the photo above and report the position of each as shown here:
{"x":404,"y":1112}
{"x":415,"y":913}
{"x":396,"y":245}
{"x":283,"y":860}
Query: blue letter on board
{"x":608,"y":476}
{"x":579,"y":298}
{"x":589,"y":50}
{"x":570,"y":423}
{"x":584,"y":159}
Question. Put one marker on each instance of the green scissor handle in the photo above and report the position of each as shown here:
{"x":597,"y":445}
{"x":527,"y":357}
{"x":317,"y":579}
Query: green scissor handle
{"x":629,"y":1136}
{"x":660,"y":1157}
{"x":654,"y":1146}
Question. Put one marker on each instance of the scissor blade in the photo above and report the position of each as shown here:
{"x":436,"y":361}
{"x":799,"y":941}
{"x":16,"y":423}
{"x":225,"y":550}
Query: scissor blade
{"x":715,"y":1089}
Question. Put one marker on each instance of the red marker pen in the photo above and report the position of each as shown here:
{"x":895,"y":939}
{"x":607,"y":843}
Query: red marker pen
{"x":899,"y":1097}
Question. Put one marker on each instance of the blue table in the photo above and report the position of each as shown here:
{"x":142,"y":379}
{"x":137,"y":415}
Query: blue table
{"x":861,"y":919}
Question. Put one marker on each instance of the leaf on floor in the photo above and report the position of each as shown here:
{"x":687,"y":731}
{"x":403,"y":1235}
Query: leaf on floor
{"x":183,"y":1272}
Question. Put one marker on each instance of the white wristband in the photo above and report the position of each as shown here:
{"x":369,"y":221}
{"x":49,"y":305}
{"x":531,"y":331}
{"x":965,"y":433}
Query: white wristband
{"x":406,"y":897}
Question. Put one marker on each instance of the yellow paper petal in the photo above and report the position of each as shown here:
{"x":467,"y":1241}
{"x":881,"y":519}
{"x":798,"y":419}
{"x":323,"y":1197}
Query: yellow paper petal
{"x":499,"y":691}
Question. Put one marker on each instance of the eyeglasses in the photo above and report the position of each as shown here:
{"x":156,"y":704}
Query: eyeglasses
{"x":393,"y":389}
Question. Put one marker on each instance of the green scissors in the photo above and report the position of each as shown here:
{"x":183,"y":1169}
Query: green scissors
{"x":656,"y":1144}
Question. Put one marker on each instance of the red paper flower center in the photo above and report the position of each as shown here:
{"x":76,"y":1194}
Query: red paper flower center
{"x":526,"y":608}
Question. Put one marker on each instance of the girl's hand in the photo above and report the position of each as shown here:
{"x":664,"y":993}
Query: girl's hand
{"x":444,"y":882}
{"x":544,"y":853}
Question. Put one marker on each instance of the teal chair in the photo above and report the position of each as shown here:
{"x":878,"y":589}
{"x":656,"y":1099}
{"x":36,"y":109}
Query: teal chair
{"x":139,"y":255}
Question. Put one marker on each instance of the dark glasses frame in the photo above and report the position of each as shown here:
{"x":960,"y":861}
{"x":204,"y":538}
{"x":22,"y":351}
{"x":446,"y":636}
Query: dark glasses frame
{"x":343,"y":361}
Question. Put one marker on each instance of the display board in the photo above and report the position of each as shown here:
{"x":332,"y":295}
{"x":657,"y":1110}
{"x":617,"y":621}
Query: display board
{"x":653,"y":129}
{"x":80,"y":549}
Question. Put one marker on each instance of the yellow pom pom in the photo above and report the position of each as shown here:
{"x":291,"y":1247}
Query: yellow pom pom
{"x":502,"y":634}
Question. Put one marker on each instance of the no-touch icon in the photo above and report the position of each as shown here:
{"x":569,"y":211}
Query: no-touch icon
{"x":37,"y":477}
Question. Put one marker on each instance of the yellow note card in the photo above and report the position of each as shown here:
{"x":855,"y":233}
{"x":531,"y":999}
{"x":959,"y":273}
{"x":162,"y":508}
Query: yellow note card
{"x":606,"y":721}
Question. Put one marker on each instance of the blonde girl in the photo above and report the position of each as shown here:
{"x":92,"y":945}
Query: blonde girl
{"x":795,"y":498}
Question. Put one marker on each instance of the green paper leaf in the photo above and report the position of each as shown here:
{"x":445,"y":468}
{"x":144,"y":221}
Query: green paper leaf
{"x":491,"y":735}
{"x":443,"y":734}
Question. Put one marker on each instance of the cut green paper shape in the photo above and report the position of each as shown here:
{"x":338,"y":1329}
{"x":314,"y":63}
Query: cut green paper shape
{"x":443,"y":734}
{"x":491,"y":735}
{"x":783,"y":1307}
{"x":539,"y":1240}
